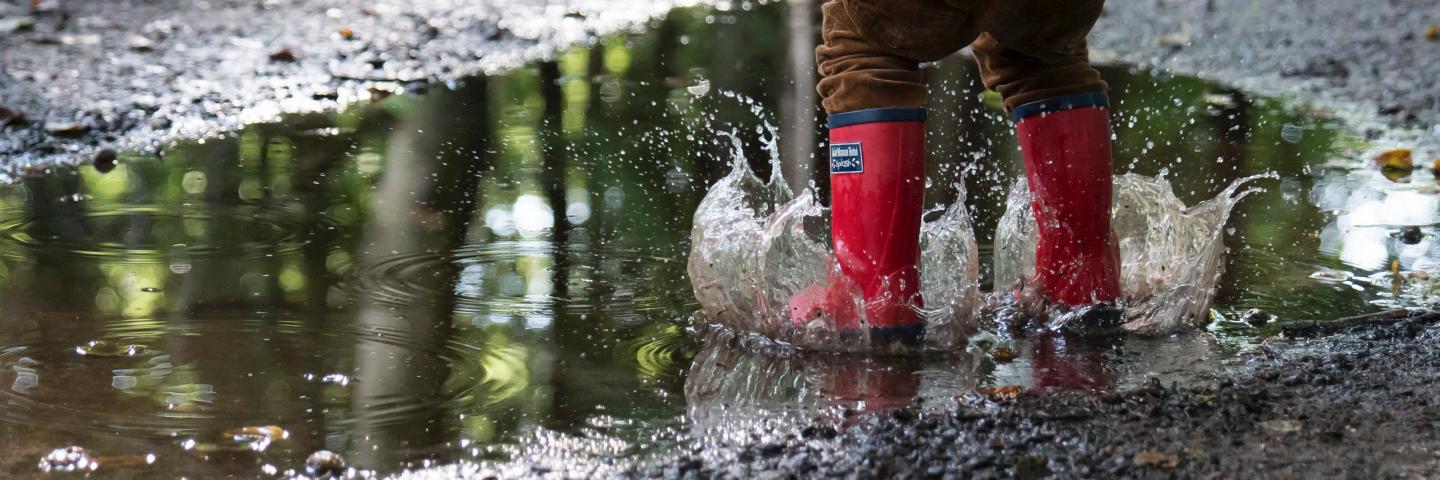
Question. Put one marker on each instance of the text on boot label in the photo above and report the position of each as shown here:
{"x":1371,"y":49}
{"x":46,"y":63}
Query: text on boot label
{"x":846,"y":158}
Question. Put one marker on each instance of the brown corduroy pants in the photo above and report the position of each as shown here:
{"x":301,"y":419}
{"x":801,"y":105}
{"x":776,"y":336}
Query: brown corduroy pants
{"x":1027,"y":49}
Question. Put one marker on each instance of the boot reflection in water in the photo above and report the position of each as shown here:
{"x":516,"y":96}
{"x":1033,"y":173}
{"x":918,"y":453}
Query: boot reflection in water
{"x":1033,"y":52}
{"x":872,"y":388}
{"x":1060,"y":363}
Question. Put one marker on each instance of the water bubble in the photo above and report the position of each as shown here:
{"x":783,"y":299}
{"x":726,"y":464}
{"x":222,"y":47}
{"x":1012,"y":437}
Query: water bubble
{"x":1291,"y":133}
{"x":68,"y":459}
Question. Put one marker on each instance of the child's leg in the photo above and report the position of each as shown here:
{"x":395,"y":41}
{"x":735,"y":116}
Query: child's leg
{"x":1036,"y":58}
{"x":872,"y":49}
{"x":871,"y":86}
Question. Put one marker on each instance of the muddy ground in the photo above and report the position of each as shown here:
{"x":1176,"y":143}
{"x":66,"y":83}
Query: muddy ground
{"x":1360,"y":405}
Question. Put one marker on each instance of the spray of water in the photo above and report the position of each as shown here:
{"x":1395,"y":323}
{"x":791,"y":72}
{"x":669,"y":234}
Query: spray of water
{"x":756,"y":246}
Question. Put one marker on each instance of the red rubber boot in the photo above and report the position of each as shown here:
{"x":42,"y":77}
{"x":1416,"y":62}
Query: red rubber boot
{"x":1066,"y":144}
{"x":877,"y":191}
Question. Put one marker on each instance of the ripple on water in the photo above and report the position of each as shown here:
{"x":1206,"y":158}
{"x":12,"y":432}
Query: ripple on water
{"x":150,"y":233}
{"x":204,"y":376}
{"x":517,"y":279}
{"x":661,"y":356}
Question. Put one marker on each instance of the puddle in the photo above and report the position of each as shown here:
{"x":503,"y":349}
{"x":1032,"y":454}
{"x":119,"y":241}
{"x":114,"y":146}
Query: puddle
{"x":498,"y":270}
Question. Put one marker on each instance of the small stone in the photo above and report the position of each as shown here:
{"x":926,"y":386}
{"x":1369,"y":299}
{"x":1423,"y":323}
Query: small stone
{"x":1432,"y":32}
{"x":1411,"y":235}
{"x":1255,"y":317}
{"x":324,"y":463}
{"x":140,"y":43}
{"x":1003,"y":354}
{"x":16,"y":24}
{"x":105,"y":160}
{"x":346,"y":33}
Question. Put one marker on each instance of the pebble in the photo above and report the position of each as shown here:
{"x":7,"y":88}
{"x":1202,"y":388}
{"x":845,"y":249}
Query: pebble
{"x":324,"y":463}
{"x":1255,"y":317}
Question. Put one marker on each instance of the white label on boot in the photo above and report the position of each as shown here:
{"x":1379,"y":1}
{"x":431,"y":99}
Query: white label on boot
{"x":846,"y":158}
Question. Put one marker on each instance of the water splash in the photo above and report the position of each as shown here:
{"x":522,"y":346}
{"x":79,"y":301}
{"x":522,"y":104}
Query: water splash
{"x":1171,"y":255}
{"x":753,"y":251}
{"x":756,"y":247}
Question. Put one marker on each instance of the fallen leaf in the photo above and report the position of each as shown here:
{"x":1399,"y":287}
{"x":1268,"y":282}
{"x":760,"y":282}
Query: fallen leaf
{"x":11,"y":117}
{"x":1003,"y":392}
{"x":284,"y":55}
{"x":257,"y":433}
{"x":1398,"y":158}
{"x":1003,"y":354}
{"x":378,"y":94}
{"x":1151,"y":458}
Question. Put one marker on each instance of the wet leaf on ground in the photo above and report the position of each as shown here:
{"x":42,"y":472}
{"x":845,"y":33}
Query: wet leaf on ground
{"x":1003,"y":354}
{"x":1002,"y":392}
{"x":257,"y":438}
{"x":283,"y":55}
{"x":9,"y":116}
{"x":1399,"y":158}
{"x":1151,"y":458}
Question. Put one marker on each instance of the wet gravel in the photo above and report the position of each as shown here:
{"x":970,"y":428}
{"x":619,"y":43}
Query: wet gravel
{"x":81,"y":76}
{"x":1365,"y":404}
{"x":1360,"y":405}
{"x":1369,"y":63}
